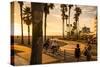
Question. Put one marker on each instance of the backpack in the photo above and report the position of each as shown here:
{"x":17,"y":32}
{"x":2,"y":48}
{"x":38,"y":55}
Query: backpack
{"x":85,"y":52}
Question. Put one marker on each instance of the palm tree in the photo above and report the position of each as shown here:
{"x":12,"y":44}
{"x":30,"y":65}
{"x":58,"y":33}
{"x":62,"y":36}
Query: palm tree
{"x":70,"y":6}
{"x":63,"y":10}
{"x":76,"y":16}
{"x":21,"y":5}
{"x":27,"y":19}
{"x":47,"y":8}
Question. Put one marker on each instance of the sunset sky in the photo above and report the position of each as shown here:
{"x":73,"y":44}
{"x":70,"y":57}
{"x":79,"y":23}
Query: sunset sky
{"x":54,"y":21}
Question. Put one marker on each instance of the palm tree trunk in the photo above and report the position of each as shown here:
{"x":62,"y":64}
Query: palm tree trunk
{"x":66,"y":27}
{"x":28,"y":34}
{"x":69,"y":22}
{"x":77,"y":30}
{"x":22,"y":41}
{"x":37,"y":36}
{"x":63,"y":28}
{"x":45,"y":25}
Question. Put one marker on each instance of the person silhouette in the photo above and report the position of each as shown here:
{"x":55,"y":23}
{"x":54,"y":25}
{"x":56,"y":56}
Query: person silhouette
{"x":46,"y":44}
{"x":88,"y":55}
{"x":53,"y":48}
{"x":77,"y":52}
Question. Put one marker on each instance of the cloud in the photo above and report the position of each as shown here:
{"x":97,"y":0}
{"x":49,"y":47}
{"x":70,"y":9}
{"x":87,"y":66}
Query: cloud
{"x":89,"y":9}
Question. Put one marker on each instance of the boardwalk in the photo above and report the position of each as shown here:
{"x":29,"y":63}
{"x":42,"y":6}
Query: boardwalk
{"x":23,"y":54}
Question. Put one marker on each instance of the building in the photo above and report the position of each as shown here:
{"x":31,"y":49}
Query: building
{"x":85,"y":29}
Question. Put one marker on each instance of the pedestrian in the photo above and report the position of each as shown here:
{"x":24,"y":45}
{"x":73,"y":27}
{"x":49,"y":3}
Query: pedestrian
{"x":46,"y":44}
{"x":85,"y":51}
{"x":88,"y":40}
{"x":88,"y":53}
{"x":54,"y":47}
{"x":77,"y":52}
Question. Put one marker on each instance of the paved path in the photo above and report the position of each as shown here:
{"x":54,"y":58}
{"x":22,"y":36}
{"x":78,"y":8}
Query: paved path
{"x":69,"y":48}
{"x":22,"y":54}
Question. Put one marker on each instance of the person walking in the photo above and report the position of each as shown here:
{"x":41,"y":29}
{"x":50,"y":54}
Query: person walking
{"x":88,"y":53}
{"x":46,"y":44}
{"x":77,"y":52}
{"x":54,"y":47}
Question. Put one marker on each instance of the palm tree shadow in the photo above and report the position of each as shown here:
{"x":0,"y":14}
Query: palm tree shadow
{"x":14,"y":52}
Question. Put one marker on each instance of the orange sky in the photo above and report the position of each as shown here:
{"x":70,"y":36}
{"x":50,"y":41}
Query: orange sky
{"x":54,"y":21}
